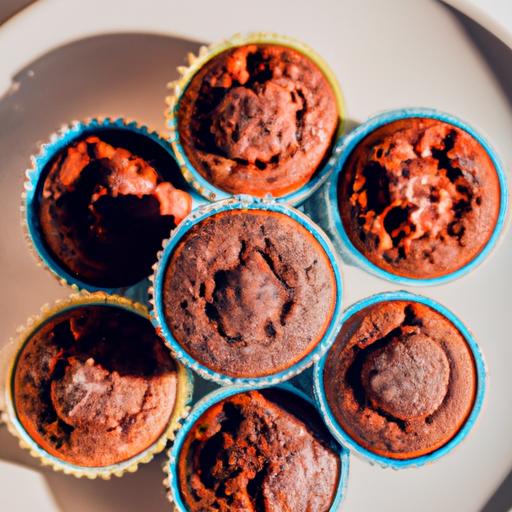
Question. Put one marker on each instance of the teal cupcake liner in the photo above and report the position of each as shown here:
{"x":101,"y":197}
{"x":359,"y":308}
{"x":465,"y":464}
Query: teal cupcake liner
{"x":241,"y":202}
{"x":171,"y":481}
{"x":35,"y":176}
{"x":323,"y":206}
{"x":387,"y":462}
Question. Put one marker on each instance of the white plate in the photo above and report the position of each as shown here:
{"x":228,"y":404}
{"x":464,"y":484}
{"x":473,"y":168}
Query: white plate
{"x":386,"y":55}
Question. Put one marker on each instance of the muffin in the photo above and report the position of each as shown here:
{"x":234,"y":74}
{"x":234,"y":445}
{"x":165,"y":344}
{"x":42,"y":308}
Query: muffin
{"x":95,"y":386}
{"x":400,"y":379}
{"x":248,"y":293}
{"x":106,"y":201}
{"x":258,"y":450}
{"x":258,"y":119}
{"x":419,"y":197}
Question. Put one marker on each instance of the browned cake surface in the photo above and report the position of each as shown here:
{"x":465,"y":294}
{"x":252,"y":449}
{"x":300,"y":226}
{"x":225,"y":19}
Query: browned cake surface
{"x":400,"y":379}
{"x":104,"y":212}
{"x":248,"y":453}
{"x":248,"y":293}
{"x":258,"y":119}
{"x":95,"y":386}
{"x":419,"y":197}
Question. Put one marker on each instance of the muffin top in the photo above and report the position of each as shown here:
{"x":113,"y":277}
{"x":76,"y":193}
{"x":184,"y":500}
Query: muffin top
{"x":419,"y":197}
{"x":253,"y":451}
{"x":248,"y":293}
{"x":258,"y":119}
{"x":400,"y":379}
{"x":104,"y":210}
{"x":95,"y":385}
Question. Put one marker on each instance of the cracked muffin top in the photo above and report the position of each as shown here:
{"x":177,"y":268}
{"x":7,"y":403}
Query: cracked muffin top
{"x":258,"y":119}
{"x":248,"y":293}
{"x":104,"y":209}
{"x":95,"y":385}
{"x":259,"y":451}
{"x":419,"y":198}
{"x":400,"y":379}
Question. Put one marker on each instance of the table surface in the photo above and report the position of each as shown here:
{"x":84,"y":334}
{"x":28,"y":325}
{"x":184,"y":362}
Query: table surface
{"x":113,"y":58}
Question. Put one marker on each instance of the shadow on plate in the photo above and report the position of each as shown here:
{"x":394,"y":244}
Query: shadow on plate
{"x":142,"y":490}
{"x":111,"y":75}
{"x":498,"y":57}
{"x":495,"y":52}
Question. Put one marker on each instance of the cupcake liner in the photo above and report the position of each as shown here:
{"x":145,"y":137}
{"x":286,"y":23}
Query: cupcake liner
{"x":58,"y":141}
{"x":386,"y":462}
{"x":9,"y":416}
{"x":195,"y":62}
{"x":241,"y":202}
{"x":323,"y":207}
{"x":171,"y":481}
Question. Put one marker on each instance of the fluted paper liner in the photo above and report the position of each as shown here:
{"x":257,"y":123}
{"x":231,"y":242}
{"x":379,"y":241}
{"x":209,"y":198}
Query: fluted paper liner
{"x":195,"y":62}
{"x":181,"y":407}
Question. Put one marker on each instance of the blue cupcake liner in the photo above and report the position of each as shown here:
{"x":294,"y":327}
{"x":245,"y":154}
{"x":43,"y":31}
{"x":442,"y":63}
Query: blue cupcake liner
{"x":343,"y":437}
{"x":172,"y":481}
{"x":201,"y":184}
{"x":241,"y":202}
{"x":323,"y":207}
{"x":32,"y":189}
{"x":184,"y":390}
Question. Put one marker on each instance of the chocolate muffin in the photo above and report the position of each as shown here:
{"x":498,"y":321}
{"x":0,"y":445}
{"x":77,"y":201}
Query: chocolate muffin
{"x":258,"y":119}
{"x":252,"y":451}
{"x":106,"y":203}
{"x":95,"y":385}
{"x":419,"y":197}
{"x":400,"y":379}
{"x":248,"y":293}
